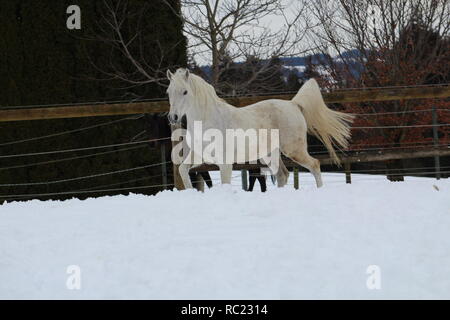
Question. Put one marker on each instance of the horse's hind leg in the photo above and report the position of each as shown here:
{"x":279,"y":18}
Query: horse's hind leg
{"x":302,"y":157}
{"x":282,"y":174}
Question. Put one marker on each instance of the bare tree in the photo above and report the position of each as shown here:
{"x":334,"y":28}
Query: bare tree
{"x":225,"y":31}
{"x":128,"y":37}
{"x":384,"y":43}
{"x":376,"y":29}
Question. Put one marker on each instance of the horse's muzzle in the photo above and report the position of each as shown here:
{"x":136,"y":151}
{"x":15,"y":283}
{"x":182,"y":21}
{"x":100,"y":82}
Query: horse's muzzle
{"x":176,"y":120}
{"x":173,"y":119}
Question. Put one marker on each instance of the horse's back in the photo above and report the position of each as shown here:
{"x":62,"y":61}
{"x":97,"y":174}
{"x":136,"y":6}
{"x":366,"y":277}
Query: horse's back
{"x":269,"y":104}
{"x":272,"y":113}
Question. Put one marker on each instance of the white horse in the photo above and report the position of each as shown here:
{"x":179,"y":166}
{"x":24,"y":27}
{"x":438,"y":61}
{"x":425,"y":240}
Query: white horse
{"x":193,"y":97}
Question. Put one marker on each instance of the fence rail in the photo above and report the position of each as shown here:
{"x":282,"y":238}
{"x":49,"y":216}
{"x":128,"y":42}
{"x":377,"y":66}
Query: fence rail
{"x":157,"y":106}
{"x":114,"y":109}
{"x":350,"y":159}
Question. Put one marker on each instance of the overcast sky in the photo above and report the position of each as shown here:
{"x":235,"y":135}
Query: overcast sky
{"x":274,"y":22}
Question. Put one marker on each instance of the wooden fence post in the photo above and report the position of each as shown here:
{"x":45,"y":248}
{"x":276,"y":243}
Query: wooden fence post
{"x":244,"y":180}
{"x":348,"y":176}
{"x":163,"y":165}
{"x":437,"y":160}
{"x":178,"y":183}
{"x":296,"y":181}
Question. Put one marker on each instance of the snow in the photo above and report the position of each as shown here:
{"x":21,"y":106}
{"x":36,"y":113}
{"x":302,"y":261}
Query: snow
{"x":229,"y":244}
{"x":295,"y":68}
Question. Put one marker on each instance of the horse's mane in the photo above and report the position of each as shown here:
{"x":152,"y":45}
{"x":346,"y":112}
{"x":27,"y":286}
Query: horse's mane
{"x":204,"y":93}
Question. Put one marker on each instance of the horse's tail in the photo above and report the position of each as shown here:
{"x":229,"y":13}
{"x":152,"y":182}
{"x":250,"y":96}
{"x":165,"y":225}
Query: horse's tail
{"x":331,"y":127}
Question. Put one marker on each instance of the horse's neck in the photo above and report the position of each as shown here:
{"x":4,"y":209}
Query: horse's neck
{"x":211,"y":117}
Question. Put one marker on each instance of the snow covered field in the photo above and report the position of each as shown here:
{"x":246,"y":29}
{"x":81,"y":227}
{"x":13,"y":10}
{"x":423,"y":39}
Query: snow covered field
{"x":229,"y":244}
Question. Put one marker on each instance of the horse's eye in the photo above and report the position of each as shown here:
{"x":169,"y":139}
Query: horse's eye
{"x":185,"y":92}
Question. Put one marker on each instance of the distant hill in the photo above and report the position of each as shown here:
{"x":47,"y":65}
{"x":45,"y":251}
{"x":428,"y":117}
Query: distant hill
{"x":298,"y":64}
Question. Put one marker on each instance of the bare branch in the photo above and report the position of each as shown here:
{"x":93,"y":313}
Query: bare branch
{"x":236,"y":29}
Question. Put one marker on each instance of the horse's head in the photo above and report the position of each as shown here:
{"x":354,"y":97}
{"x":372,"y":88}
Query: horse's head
{"x":180,"y":94}
{"x":191,"y":96}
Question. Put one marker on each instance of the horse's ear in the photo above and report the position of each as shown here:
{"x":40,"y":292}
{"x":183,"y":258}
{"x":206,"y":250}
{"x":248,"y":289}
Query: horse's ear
{"x":169,"y":74}
{"x":187,"y":74}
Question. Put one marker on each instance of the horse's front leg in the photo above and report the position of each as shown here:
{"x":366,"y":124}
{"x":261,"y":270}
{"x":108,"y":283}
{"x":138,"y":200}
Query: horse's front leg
{"x":225,"y":173}
{"x":183,"y":169}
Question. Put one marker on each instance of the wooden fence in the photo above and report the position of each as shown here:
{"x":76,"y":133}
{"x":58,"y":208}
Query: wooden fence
{"x":158,"y":106}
